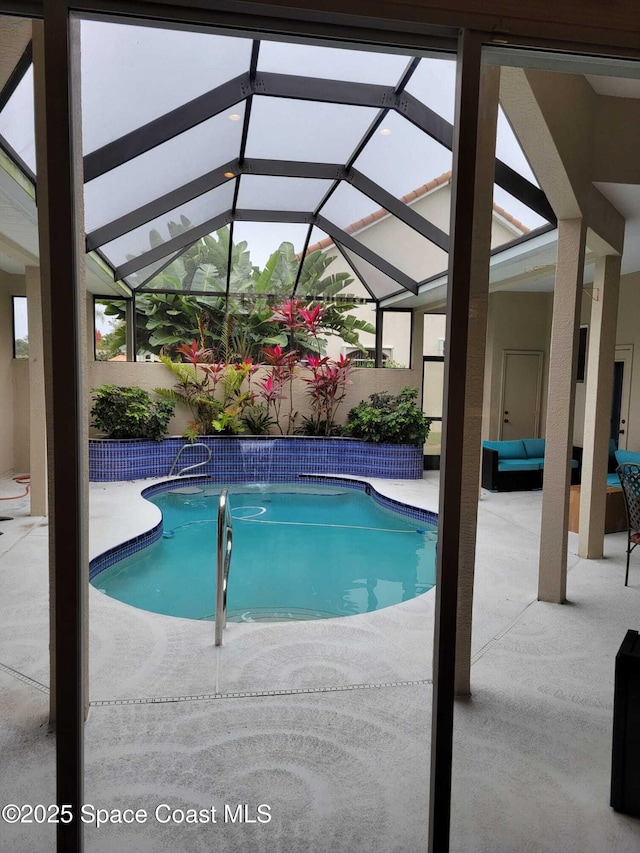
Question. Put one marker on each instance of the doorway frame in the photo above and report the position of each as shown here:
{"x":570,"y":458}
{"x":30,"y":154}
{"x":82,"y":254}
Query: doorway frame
{"x":503,"y":381}
{"x":624,"y":353}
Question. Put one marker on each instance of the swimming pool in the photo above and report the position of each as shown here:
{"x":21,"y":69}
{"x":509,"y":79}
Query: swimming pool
{"x":299,"y":552}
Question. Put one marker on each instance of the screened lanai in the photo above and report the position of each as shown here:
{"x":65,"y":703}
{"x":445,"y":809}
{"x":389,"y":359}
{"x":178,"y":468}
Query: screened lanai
{"x":223,"y":165}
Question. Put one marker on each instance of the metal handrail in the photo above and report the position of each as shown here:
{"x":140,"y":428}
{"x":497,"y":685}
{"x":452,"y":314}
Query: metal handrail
{"x":225,"y":542}
{"x":190,"y":467}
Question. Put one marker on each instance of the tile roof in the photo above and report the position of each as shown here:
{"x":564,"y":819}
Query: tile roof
{"x":410,"y":198}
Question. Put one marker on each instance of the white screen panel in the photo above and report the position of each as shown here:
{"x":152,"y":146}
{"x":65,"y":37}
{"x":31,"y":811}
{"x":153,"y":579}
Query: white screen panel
{"x":401,"y":157}
{"x":283,"y":129}
{"x":17,"y":121}
{"x":170,"y":224}
{"x":380,"y":284}
{"x":317,"y":279}
{"x":434,"y":83}
{"x":509,"y":151}
{"x":330,"y":63}
{"x":268,"y":192}
{"x":134,"y":74}
{"x":162,"y":169}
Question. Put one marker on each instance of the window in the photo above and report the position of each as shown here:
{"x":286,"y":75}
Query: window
{"x":20,"y":327}
{"x":109,"y":330}
{"x":396,"y":337}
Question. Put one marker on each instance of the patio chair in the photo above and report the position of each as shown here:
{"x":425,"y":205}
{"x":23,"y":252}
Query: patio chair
{"x":629,"y":474}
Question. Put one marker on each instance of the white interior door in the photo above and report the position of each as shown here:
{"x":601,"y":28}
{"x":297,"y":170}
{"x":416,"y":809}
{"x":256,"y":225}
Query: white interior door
{"x":521,"y":389}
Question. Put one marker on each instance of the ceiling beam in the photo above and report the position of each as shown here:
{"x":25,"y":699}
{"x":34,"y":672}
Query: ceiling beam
{"x":526,"y":192}
{"x":303,"y":88}
{"x":159,"y":206}
{"x":181,"y":241}
{"x":286,"y":216}
{"x":293,"y":169}
{"x":398,"y":209}
{"x":165,"y":127}
{"x":366,"y":254}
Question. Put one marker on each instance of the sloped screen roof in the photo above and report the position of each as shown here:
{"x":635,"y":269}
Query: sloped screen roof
{"x":279,"y":146}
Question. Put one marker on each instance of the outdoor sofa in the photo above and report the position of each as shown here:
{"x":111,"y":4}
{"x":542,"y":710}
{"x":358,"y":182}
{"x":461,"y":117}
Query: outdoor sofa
{"x":510,"y":466}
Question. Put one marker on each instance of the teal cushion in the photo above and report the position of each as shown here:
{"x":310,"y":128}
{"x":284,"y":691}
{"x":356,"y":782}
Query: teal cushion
{"x":623,"y":456}
{"x":534,"y":447}
{"x":518,"y":464}
{"x":536,"y":461}
{"x":613,"y":480}
{"x":507,"y":449}
{"x":574,"y":463}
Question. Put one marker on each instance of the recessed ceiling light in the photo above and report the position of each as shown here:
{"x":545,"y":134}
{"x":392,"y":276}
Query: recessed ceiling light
{"x":229,"y":175}
{"x":385,"y":131}
{"x":234,"y":117}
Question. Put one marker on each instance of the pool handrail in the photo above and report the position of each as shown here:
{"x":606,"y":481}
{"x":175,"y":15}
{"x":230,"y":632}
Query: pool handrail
{"x":190,"y":467}
{"x":223,"y":560}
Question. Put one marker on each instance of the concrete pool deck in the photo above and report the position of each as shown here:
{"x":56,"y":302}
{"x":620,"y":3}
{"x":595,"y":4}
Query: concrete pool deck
{"x":341,"y":751}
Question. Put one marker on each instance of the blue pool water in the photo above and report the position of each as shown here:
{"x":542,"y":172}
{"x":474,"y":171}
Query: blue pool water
{"x":298,"y":553}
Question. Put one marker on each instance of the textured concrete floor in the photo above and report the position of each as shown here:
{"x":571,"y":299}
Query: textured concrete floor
{"x":342,"y":758}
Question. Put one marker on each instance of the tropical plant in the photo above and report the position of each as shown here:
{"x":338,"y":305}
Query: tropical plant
{"x":129,"y":412}
{"x":278,"y":384}
{"x":240,"y":325}
{"x":389,"y":419}
{"x":327,"y":388}
{"x":199,"y":381}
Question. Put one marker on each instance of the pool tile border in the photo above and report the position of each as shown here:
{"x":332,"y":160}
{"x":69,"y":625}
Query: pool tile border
{"x":124,"y":549}
{"x":237,"y":459}
{"x":384,"y":501}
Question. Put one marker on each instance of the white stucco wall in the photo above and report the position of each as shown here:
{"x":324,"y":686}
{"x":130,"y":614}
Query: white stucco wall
{"x":516,"y":321}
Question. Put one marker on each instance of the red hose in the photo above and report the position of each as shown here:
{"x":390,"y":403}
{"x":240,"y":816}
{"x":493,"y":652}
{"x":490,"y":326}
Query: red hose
{"x":23,"y":480}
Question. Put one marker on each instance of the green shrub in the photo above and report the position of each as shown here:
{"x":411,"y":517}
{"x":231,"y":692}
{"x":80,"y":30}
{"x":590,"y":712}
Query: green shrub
{"x":257,"y":419}
{"x":389,"y":419}
{"x":123,"y":412}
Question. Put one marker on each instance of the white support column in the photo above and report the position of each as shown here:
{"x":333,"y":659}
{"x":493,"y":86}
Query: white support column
{"x":37,"y":417}
{"x":597,"y":418}
{"x":474,"y":377}
{"x":552,"y":574}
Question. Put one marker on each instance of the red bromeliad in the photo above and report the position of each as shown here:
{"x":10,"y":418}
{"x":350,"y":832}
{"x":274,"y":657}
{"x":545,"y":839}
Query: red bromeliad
{"x":194,"y":354}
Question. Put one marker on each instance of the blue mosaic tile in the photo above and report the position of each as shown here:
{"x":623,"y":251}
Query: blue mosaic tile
{"x":389,"y":503}
{"x":259,"y":459}
{"x":125,"y":549}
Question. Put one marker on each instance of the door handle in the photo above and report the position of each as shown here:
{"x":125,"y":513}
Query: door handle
{"x":506,"y":421}
{"x":620,"y":432}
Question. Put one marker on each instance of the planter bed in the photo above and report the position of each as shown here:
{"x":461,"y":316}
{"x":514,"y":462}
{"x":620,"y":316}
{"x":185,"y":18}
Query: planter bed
{"x":239,"y":459}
